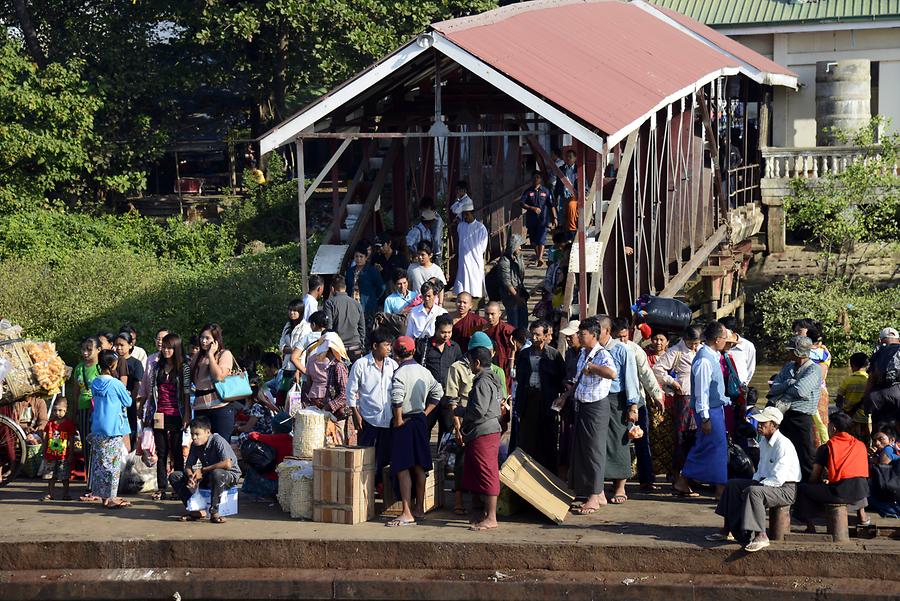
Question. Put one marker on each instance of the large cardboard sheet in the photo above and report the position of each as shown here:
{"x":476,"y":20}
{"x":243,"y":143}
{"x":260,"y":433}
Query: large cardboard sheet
{"x":537,"y":485}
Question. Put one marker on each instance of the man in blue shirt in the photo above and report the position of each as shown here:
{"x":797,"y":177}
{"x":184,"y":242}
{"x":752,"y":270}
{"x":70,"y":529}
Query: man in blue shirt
{"x":369,"y":398}
{"x":796,"y":389}
{"x":624,"y":396}
{"x":707,"y":460}
{"x":400,"y":302}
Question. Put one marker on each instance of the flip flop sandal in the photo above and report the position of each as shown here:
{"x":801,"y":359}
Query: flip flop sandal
{"x":119,"y":505}
{"x":718,"y":537}
{"x":216,"y":519}
{"x":157,"y":496}
{"x":683,"y":494}
{"x":189,"y":518}
{"x":755,"y":546}
{"x":618,"y":500}
{"x":477,"y":528}
{"x":47,"y":498}
{"x":398,"y":523}
{"x":586,"y":510}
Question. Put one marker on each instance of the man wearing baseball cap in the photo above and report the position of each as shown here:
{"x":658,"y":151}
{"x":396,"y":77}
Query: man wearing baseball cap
{"x":413,"y":392}
{"x":882,"y":396}
{"x":795,"y":391}
{"x":745,"y":503}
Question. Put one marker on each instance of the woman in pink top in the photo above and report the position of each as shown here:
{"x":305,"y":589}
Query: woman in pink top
{"x":212,"y":364}
{"x":168,"y":408}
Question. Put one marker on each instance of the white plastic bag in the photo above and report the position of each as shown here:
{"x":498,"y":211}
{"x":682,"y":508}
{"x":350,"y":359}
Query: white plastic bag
{"x":294,"y":401}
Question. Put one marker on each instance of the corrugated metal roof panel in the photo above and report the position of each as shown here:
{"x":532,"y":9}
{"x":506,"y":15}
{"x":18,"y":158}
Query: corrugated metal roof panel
{"x":607,"y":62}
{"x":765,"y":12}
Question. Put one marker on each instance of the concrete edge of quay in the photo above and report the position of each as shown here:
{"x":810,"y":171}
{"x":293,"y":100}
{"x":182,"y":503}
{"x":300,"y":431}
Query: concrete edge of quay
{"x":249,"y":584}
{"x":823,"y":560}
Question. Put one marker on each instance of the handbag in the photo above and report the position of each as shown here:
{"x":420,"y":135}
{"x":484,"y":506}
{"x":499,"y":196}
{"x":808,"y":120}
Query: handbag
{"x":739,"y":463}
{"x":235,"y":387}
{"x":294,"y":400}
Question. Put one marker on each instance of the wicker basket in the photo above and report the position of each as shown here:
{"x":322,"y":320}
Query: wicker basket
{"x":20,"y":381}
{"x":295,"y":490}
{"x":309,"y":432}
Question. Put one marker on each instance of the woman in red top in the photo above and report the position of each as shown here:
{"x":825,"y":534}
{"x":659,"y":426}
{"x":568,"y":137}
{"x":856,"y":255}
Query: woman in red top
{"x":840,"y":474}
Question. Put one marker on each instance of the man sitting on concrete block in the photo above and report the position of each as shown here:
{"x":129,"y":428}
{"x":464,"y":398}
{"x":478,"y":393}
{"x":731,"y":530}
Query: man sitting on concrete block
{"x":745,"y":503}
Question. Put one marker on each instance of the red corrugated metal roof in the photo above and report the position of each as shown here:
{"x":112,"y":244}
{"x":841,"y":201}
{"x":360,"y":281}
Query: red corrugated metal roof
{"x":726,"y":43}
{"x":607,"y":62}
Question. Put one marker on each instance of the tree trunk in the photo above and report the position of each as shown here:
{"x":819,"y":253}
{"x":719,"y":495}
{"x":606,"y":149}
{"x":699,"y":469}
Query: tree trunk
{"x":23,"y":15}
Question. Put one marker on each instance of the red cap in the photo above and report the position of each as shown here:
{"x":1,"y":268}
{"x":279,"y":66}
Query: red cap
{"x":404,"y":345}
{"x":646,"y":332}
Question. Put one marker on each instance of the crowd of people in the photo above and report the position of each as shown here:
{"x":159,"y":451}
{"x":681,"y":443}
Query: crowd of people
{"x":383,"y":356}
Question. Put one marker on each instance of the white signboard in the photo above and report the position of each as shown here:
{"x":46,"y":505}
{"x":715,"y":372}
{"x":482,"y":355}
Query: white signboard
{"x":592,"y":256}
{"x":328,"y":259}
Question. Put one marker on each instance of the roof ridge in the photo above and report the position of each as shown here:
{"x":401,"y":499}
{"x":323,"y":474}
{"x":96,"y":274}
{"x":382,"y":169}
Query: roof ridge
{"x":505,"y":12}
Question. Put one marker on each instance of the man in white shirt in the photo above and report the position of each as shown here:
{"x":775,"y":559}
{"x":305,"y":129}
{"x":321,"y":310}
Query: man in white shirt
{"x":311,"y":300}
{"x":369,"y":398}
{"x":745,"y":503}
{"x":420,"y":322}
{"x":743,"y":353}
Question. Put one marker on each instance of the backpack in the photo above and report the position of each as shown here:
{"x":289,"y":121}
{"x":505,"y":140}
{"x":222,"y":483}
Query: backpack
{"x":259,"y":456}
{"x":892,"y":372}
{"x":492,"y":283}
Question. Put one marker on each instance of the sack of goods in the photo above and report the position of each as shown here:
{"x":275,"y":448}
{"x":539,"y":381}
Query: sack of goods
{"x":295,"y":487}
{"x":309,"y":432}
{"x":662,"y":314}
{"x":30,"y":367}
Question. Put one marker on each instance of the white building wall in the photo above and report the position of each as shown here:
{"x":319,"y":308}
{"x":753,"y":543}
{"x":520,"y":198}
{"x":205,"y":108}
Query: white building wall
{"x":794,"y":113}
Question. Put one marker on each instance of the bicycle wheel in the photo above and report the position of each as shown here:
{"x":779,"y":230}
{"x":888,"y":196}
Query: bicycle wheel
{"x":12,"y":450}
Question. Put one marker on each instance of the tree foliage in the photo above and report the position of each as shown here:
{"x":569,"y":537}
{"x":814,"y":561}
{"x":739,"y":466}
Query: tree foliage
{"x":851,"y":316}
{"x":858,"y":206}
{"x":46,"y":127}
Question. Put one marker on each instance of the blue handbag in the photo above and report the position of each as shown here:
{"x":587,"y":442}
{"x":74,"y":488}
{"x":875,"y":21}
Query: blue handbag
{"x":235,"y":387}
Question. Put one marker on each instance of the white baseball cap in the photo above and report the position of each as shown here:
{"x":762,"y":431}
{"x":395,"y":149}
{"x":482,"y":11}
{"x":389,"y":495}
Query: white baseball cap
{"x":888,"y":333}
{"x":571,"y":329}
{"x":769,"y":414}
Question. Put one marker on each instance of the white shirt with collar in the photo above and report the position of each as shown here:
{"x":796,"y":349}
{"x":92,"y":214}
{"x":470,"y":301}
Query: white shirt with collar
{"x":744,"y":355}
{"x":420,"y":324}
{"x":369,"y":390}
{"x":778,"y":462}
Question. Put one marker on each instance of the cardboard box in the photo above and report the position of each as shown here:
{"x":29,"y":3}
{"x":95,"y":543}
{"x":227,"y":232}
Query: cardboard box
{"x":434,"y":490}
{"x":343,"y":485}
{"x":537,"y":485}
{"x":228,"y":503}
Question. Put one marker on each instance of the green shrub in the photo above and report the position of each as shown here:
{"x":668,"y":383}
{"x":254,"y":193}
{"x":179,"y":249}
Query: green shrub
{"x":53,"y":235}
{"x":851,"y":316}
{"x":85,"y":291}
{"x":269,"y":211}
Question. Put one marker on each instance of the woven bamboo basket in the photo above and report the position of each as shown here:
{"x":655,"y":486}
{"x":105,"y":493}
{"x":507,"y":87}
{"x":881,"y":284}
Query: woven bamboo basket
{"x":302,"y":497}
{"x":20,"y":381}
{"x":295,"y":490}
{"x":309,"y":432}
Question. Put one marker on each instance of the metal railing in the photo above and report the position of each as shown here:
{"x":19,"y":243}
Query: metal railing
{"x":743,"y":185}
{"x":813,"y":162}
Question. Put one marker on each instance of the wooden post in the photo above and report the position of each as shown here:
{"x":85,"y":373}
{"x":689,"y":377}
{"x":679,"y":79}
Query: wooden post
{"x":582,"y":238}
{"x":713,"y":142}
{"x":301,"y":216}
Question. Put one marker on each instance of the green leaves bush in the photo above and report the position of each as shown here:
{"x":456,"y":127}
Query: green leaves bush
{"x":53,"y":235}
{"x":851,"y":316}
{"x":82,"y":292}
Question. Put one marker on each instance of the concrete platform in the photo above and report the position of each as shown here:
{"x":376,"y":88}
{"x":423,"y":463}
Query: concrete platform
{"x":71,"y":550}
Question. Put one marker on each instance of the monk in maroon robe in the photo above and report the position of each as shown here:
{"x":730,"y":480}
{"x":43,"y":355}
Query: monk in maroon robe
{"x":466,"y":321}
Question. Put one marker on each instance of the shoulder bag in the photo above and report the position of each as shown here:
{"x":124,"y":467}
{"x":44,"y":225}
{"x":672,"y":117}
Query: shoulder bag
{"x":234,"y":387}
